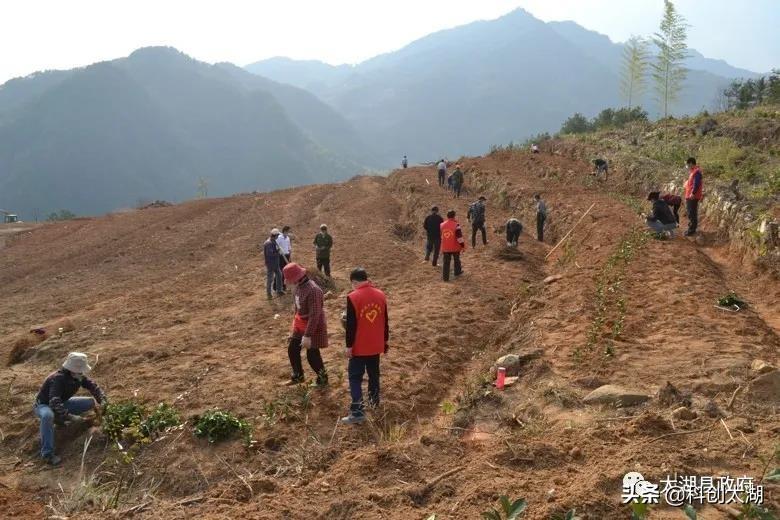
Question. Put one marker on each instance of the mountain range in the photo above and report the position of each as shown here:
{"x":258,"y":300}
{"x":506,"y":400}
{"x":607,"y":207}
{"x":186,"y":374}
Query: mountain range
{"x":158,"y":124}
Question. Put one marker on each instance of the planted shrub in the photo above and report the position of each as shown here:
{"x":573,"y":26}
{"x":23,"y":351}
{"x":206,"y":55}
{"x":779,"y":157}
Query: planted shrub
{"x":122,"y":419}
{"x":218,"y":425}
{"x":163,"y":417}
{"x":731,"y":299}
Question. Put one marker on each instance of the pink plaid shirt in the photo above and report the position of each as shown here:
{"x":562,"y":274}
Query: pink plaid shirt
{"x":308,"y":303}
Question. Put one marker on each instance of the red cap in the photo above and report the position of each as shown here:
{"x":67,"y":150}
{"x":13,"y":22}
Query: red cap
{"x":293,"y":272}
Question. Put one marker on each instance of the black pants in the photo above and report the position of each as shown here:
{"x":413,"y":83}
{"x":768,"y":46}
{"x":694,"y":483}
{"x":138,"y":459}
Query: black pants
{"x":540,"y":218}
{"x":356,"y":367}
{"x":446,"y":268}
{"x":456,"y":188}
{"x":312,"y":356}
{"x":433,"y":245}
{"x":692,"y":208}
{"x":478,"y":226}
{"x":442,"y":176}
{"x":676,"y":211}
{"x":512,"y":236}
{"x":283,"y":261}
{"x":324,"y":264}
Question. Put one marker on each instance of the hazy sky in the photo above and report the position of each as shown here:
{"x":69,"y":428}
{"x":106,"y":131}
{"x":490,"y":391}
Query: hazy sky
{"x":38,"y":34}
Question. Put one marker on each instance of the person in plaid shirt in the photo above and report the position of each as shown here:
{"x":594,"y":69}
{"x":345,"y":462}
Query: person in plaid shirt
{"x":310,"y":327}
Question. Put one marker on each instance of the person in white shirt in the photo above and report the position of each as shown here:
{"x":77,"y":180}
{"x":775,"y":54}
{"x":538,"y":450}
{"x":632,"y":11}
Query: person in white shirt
{"x":442,"y":170}
{"x":285,"y":247}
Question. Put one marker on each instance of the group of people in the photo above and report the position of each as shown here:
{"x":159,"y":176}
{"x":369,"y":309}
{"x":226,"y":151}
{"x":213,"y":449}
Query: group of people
{"x":277,"y":252}
{"x":453,"y":181}
{"x":664,"y":216}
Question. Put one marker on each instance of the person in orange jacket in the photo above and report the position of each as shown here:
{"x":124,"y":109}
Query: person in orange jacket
{"x":694,"y":189}
{"x":452,"y":244}
{"x":367,"y":331}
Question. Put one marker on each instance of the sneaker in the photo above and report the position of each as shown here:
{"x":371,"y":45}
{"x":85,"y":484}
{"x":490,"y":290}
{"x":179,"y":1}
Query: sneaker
{"x":52,"y":460}
{"x":353,"y":419}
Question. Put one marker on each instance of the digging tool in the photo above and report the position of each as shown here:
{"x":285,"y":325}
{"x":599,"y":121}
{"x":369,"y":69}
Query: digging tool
{"x":569,"y":233}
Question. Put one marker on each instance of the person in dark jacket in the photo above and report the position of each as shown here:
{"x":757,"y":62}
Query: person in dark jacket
{"x":476,"y":215}
{"x":457,"y":181}
{"x":661,"y":218}
{"x":601,"y":168}
{"x":432,"y":226}
{"x":367,"y":331}
{"x":55,"y":403}
{"x":541,"y":216}
{"x":513,"y":230}
{"x":272,"y":255}
{"x":323,"y":243}
{"x":674,"y":201}
{"x":404,"y":162}
{"x":310,"y":326}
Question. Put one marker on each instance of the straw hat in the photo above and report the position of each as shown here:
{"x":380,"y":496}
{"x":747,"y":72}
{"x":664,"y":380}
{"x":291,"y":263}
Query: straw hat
{"x":77,"y":363}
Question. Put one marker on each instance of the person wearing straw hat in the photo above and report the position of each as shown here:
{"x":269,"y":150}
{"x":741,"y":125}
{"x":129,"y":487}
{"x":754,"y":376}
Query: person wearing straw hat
{"x":55,"y":403}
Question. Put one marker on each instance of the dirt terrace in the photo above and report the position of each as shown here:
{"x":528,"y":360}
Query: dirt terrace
{"x":170,"y":303}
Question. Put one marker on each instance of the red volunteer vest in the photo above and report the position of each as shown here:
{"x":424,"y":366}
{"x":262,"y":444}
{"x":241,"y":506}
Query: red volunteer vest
{"x":689,"y":185}
{"x":449,"y":241}
{"x":370,"y":305}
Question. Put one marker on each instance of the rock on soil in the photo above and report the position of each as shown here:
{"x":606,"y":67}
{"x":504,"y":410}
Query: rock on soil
{"x":514,"y":362}
{"x":553,"y":278}
{"x":684,"y":414}
{"x":765,"y":388}
{"x":761,"y":367}
{"x":615,"y":395}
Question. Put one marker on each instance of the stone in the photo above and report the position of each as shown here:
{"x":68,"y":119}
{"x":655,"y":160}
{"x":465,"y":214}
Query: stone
{"x":553,"y":278}
{"x":765,"y":388}
{"x":615,"y":395}
{"x":515,"y":362}
{"x":713,"y":410}
{"x":761,"y":367}
{"x":684,"y":414}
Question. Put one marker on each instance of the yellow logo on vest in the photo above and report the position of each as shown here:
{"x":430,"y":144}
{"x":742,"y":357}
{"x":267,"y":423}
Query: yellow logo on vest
{"x":370,"y":312}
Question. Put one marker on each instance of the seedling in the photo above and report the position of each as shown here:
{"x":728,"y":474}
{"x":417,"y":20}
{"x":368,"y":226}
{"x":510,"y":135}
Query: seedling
{"x":163,"y":417}
{"x":509,"y":510}
{"x":730,"y":300}
{"x":123,"y":419}
{"x":218,"y":425}
{"x":448,"y":407}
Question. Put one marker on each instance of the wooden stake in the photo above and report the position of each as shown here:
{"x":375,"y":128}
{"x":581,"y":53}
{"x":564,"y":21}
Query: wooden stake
{"x":569,"y":233}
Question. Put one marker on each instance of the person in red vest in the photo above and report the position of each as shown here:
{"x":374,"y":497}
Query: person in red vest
{"x":367,"y":332}
{"x":694,"y":189}
{"x":310,"y":328}
{"x":452,"y":244}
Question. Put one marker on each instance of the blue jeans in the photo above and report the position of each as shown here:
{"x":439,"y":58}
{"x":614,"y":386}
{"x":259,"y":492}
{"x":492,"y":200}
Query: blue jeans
{"x":658,"y":227}
{"x":355,"y":369}
{"x":273,"y":279}
{"x":75,"y":405}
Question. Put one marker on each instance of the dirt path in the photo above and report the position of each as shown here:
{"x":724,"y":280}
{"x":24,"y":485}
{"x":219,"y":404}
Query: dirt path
{"x":171,"y":302}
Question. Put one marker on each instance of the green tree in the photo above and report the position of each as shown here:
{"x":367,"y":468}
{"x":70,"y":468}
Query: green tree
{"x":576,"y":124}
{"x":635,"y":63}
{"x":668,"y":71}
{"x":64,"y":214}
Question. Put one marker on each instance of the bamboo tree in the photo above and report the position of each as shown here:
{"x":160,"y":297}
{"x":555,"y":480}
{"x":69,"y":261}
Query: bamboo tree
{"x":632,"y":83}
{"x":668,"y":71}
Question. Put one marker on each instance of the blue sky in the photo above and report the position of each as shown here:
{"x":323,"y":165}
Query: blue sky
{"x":46,"y":34}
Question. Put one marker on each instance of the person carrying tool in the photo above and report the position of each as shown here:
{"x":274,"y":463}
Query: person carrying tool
{"x":661,"y":218}
{"x":513,"y":230}
{"x":476,"y":215}
{"x":310,"y":326}
{"x":452,"y":244}
{"x":323,"y":243}
{"x":541,"y":216}
{"x":694,"y":189}
{"x":441,"y":167}
{"x":432,"y":226}
{"x":457,"y":181}
{"x":55,"y":403}
{"x":367,"y":331}
{"x":272,"y":255}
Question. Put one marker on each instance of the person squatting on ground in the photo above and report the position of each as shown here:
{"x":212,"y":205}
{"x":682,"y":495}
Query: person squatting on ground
{"x":432,"y":226}
{"x":273,"y":268}
{"x":661,"y":218}
{"x":367,"y":331}
{"x":452,"y":244}
{"x":457,"y":181}
{"x":541,"y":216}
{"x":694,"y":189}
{"x":310,"y":326}
{"x":323,"y":243}
{"x":55,"y":403}
{"x":674,"y":201}
{"x":513,"y":230}
{"x":476,"y":215}
{"x":441,"y":168}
